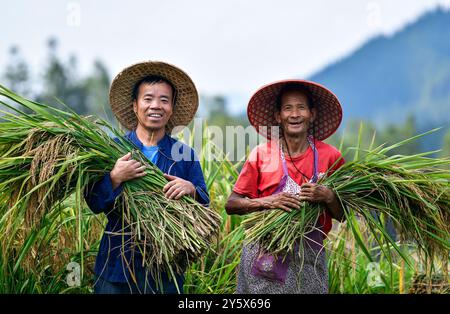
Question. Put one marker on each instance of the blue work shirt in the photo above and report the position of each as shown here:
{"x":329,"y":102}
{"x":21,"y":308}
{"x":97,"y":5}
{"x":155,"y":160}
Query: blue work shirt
{"x":151,"y":152}
{"x":110,"y":263}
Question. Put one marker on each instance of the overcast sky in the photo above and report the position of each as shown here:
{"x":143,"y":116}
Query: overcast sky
{"x":226,"y":46}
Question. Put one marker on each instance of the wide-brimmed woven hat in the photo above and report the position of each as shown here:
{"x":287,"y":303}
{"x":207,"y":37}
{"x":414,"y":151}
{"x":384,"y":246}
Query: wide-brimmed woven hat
{"x":120,"y":93}
{"x":262,"y":106}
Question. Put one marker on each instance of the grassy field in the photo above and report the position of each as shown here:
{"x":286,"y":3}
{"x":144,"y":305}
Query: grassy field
{"x":39,"y":257}
{"x":56,"y":253}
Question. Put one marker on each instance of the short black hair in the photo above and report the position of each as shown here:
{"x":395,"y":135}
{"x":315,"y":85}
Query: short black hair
{"x":153,"y":79}
{"x":295,"y":87}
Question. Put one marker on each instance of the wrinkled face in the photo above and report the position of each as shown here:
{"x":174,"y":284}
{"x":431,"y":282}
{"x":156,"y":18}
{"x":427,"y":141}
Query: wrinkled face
{"x":295,"y":116}
{"x":154,"y":105}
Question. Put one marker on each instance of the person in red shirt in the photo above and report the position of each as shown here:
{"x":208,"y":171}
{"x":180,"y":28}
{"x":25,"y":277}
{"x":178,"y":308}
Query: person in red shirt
{"x":282,"y":173}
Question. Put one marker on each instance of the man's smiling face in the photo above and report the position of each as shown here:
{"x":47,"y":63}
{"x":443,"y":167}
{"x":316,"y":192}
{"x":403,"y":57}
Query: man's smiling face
{"x":154,"y":105}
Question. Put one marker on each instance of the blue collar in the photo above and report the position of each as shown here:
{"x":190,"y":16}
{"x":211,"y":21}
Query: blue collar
{"x":164,"y":144}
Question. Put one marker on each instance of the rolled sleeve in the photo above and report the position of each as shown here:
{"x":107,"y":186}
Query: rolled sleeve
{"x":101,"y":196}
{"x":197,"y":179}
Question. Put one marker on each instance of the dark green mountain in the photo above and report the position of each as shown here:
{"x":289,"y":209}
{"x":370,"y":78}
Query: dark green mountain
{"x":390,"y":77}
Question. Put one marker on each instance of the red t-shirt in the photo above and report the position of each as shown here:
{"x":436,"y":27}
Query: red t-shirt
{"x":263,"y":171}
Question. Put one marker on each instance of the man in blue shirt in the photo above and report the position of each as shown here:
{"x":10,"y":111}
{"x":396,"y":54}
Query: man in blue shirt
{"x":148,"y":98}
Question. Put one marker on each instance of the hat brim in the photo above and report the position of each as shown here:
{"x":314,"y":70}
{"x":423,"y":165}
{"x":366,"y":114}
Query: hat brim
{"x":120,"y":93}
{"x":262,"y":106}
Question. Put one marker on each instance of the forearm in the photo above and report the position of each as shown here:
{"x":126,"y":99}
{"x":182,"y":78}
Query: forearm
{"x":334,"y":207}
{"x":242,"y":206}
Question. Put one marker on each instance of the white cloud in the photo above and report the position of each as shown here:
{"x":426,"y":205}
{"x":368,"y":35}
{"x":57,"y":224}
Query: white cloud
{"x":227,"y":46}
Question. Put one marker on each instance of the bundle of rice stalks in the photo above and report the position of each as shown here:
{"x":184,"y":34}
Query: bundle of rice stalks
{"x":217,"y":272}
{"x":423,"y":284}
{"x":412,"y":191}
{"x":50,"y":155}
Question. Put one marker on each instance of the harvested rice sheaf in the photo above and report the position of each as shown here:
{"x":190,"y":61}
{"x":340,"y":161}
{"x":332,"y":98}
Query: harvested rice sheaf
{"x":411,"y":191}
{"x":50,"y":155}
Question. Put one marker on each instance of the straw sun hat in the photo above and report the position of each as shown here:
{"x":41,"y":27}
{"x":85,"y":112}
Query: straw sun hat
{"x":120,"y":93}
{"x":261,"y":108}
